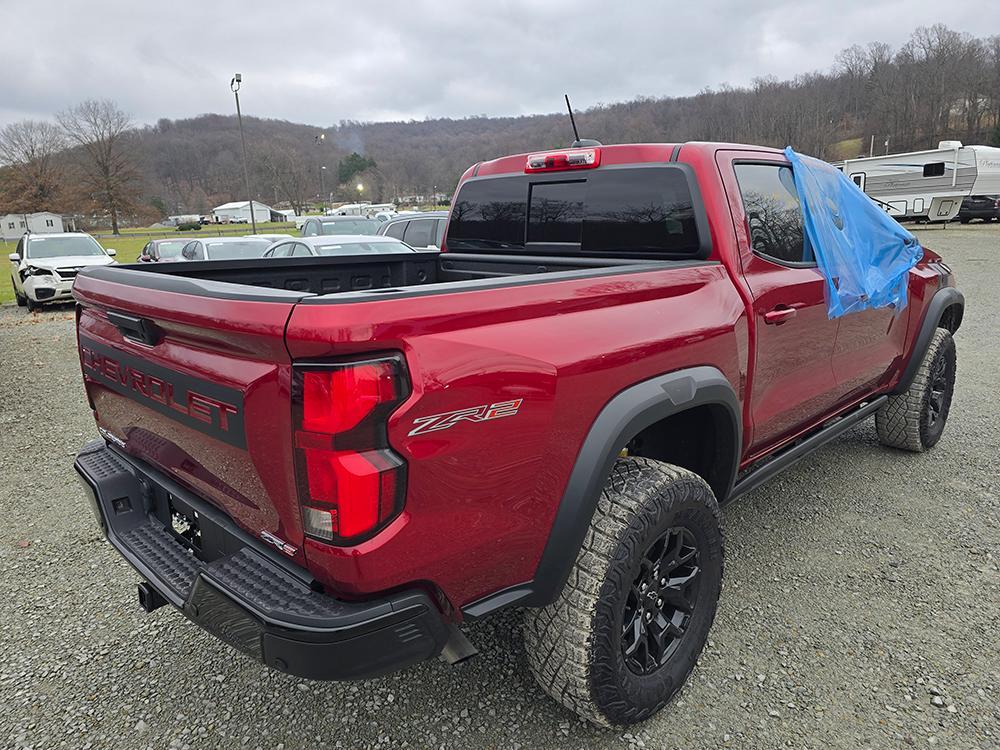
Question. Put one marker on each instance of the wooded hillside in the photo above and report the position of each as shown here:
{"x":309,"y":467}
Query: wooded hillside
{"x":941,"y":84}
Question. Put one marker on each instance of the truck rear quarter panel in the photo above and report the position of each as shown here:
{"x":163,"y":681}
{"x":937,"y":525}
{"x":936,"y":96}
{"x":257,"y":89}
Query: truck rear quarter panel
{"x":482,"y":494}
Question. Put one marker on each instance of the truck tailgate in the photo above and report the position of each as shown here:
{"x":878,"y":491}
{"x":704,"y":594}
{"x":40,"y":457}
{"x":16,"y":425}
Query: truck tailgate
{"x":195,"y":381}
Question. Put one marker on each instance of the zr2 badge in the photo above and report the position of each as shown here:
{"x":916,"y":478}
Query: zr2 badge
{"x":484,"y":413}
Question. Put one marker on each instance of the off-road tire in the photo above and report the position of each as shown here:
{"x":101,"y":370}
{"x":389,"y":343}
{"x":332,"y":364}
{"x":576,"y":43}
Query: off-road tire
{"x":574,"y":645}
{"x":20,"y":298}
{"x":914,"y":420}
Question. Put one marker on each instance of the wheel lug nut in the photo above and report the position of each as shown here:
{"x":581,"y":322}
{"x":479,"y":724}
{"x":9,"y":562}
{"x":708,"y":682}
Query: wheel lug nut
{"x":649,"y":615}
{"x":663,"y":581}
{"x":659,"y":602}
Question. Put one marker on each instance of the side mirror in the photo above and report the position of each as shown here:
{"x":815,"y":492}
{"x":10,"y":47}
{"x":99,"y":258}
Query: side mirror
{"x":111,"y":251}
{"x":14,"y":258}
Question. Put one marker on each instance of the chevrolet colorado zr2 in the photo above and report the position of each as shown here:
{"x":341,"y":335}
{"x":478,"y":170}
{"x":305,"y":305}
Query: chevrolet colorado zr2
{"x":330,"y":462}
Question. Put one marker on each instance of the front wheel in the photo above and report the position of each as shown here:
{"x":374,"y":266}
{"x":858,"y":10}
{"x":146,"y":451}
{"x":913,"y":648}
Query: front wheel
{"x":31,"y":304}
{"x":21,"y":299}
{"x":631,"y":621}
{"x":914,"y":420}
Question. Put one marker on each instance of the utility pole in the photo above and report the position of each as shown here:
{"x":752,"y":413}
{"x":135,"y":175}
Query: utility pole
{"x":320,"y":140}
{"x":235,"y":86}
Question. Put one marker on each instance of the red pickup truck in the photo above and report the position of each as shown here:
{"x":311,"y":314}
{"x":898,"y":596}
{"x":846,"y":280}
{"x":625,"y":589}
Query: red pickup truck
{"x":331,"y":461}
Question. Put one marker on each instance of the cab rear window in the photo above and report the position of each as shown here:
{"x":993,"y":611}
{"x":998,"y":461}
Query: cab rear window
{"x":643,"y":212}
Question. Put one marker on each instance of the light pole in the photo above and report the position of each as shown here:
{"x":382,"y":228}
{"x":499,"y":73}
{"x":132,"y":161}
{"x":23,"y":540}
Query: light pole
{"x":235,"y":86}
{"x":360,"y":190}
{"x":322,"y":190}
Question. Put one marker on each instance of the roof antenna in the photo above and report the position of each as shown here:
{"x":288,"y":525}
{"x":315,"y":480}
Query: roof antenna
{"x":576,"y":135}
{"x":572,"y":121}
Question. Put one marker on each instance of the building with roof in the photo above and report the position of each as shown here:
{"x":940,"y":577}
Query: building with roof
{"x":12,"y":226}
{"x":239,"y":212}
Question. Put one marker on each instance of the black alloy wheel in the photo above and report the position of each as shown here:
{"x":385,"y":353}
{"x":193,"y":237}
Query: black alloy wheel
{"x":661,"y":601}
{"x":938,"y":393}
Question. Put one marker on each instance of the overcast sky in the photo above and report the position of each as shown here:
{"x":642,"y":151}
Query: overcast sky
{"x":322,"y":62}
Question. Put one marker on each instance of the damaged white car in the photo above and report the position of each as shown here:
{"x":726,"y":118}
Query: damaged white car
{"x":43,"y":267}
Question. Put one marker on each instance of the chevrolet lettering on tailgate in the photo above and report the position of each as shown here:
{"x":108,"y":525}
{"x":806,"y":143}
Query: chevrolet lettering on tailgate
{"x":211,"y":408}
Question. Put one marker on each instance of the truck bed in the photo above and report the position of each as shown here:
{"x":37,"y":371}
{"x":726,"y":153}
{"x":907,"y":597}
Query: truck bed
{"x":294,"y":279}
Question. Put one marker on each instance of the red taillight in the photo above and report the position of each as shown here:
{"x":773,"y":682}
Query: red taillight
{"x":557,"y":161}
{"x":350,"y":482}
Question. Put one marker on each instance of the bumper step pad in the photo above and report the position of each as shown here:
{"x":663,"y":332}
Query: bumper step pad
{"x":246,"y":598}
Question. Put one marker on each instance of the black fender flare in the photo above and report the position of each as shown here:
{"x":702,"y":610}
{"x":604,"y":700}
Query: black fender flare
{"x":943,"y":299}
{"x":621,"y":419}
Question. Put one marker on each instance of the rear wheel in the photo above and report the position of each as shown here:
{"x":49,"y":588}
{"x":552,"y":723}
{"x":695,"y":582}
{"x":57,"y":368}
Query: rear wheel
{"x":631,"y":621}
{"x":914,"y":420}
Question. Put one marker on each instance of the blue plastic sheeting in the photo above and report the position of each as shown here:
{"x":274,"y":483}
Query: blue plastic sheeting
{"x":864,"y":254}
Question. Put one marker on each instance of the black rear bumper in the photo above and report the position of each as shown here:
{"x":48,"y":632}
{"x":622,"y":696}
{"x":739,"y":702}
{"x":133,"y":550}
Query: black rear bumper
{"x":246,"y":594}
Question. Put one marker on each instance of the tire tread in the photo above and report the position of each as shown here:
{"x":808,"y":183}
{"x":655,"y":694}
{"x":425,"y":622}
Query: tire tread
{"x":560,"y":637}
{"x":897,"y":423}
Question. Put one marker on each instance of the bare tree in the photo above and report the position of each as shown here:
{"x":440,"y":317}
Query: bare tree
{"x":104,"y":133}
{"x":29,"y":149}
{"x":286,"y":171}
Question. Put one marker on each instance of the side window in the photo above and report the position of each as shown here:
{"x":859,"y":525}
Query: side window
{"x":280,"y":251}
{"x":300,"y":251}
{"x":311,"y":229}
{"x":934,"y":169}
{"x":418,"y":233}
{"x":773,"y":212}
{"x":193,"y":251}
{"x":439,"y":233}
{"x":396,"y":229}
{"x":147,"y":250}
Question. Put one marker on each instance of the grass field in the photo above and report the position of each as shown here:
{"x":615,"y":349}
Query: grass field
{"x":131,"y":241}
{"x":210,"y":229}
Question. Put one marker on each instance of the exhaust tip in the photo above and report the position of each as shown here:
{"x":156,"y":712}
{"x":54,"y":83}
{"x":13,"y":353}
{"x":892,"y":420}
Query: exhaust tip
{"x":458,"y":648}
{"x":150,"y":598}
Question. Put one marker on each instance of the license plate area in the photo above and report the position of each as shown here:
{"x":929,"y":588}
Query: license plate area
{"x":184,"y":523}
{"x":207,"y":539}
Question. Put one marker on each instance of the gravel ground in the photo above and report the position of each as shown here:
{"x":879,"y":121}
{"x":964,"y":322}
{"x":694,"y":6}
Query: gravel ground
{"x":860,"y":608}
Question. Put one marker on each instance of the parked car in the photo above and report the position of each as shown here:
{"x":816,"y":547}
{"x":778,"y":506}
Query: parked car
{"x":985,"y":207}
{"x":348,"y":244}
{"x":424,"y":231}
{"x":268,"y":237}
{"x":315,"y":226}
{"x":156,"y":250}
{"x":337,"y":467}
{"x":43,"y":266}
{"x":224,"y":248}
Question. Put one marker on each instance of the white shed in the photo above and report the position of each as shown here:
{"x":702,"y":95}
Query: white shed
{"x":12,"y":226}
{"x":239,"y":211}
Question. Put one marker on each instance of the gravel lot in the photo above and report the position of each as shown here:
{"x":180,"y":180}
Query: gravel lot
{"x":860,"y":608}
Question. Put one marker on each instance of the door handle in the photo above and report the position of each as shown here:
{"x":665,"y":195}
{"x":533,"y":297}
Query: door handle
{"x":779,"y":315}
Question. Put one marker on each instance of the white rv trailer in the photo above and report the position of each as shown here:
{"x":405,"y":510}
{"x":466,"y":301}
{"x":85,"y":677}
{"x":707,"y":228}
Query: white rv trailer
{"x":927,"y":184}
{"x":361,"y":209}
